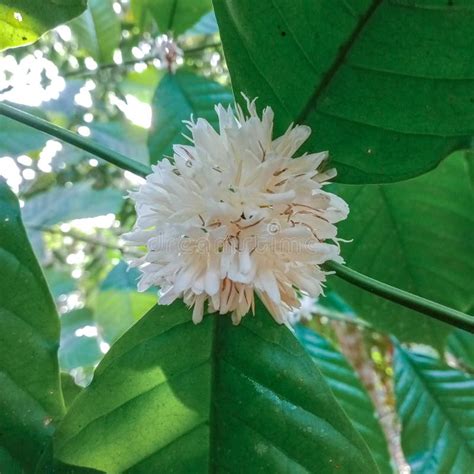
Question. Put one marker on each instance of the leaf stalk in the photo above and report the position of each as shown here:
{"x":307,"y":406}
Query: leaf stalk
{"x":396,"y":295}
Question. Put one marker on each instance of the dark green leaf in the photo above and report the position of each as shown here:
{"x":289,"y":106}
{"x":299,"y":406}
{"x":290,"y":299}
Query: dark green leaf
{"x":412,"y":235}
{"x":177,"y":16}
{"x":24,"y":21}
{"x":209,"y":398}
{"x":78,"y":349}
{"x":436,"y":407}
{"x":177,"y":97}
{"x":118,"y":305}
{"x":387,"y":87}
{"x":8,"y":464}
{"x":349,"y":392}
{"x":98,"y":30}
{"x":30,"y":394}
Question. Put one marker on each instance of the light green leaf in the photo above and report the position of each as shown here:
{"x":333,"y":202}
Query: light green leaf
{"x":17,"y":139}
{"x":386,"y":86}
{"x":70,"y":389}
{"x":60,"y":282}
{"x":349,"y":392}
{"x":207,"y":25}
{"x":118,"y":305}
{"x":78,"y":348}
{"x":30,"y":394}
{"x":98,"y":30}
{"x":412,"y":235}
{"x":66,"y":204}
{"x":436,"y":407}
{"x":24,"y":21}
{"x":209,"y":398}
{"x":177,"y":16}
{"x":122,"y":137}
{"x":177,"y":97}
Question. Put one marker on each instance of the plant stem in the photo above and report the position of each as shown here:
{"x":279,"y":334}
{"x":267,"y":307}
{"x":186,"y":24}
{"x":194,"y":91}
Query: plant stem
{"x":85,"y":238}
{"x":403,"y":298}
{"x":132,"y":62}
{"x":354,"y":346}
{"x":74,"y":139}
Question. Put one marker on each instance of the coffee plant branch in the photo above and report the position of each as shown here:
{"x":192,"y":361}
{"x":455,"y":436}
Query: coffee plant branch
{"x":401,"y":297}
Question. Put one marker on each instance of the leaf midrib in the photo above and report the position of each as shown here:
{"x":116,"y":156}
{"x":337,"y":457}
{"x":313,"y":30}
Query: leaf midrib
{"x":434,"y":398}
{"x":340,"y":58}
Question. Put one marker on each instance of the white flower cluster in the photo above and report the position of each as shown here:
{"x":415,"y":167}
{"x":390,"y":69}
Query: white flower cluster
{"x":234,"y":214}
{"x":168,"y":52}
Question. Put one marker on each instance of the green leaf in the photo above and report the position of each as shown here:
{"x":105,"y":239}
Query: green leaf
{"x":70,"y":389}
{"x":207,"y":25}
{"x":17,"y":139}
{"x":63,"y":204}
{"x":177,"y":97}
{"x":177,"y":16}
{"x":349,"y":392}
{"x":118,"y":305}
{"x":122,"y":137}
{"x":30,"y":395}
{"x":387,"y":87}
{"x":69,"y":203}
{"x":78,"y":349}
{"x":60,"y":282}
{"x":209,"y":398}
{"x":436,"y":407}
{"x":98,"y":30}
{"x":24,"y":21}
{"x":411,"y":235}
{"x":6,"y":461}
{"x":461,"y":346}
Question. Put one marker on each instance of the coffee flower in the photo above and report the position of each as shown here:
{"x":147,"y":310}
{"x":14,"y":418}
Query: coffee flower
{"x":234,"y":214}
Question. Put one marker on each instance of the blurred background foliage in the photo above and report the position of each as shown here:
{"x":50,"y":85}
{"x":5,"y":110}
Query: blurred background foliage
{"x":126,"y":74}
{"x":104,"y":75}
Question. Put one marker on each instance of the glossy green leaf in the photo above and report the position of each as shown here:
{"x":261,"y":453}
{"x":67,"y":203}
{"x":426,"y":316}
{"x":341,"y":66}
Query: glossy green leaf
{"x":349,"y":392}
{"x":177,"y":97}
{"x":118,"y":305}
{"x":177,"y":16}
{"x":30,"y":392}
{"x":97,"y":30}
{"x":79,"y":343}
{"x":412,"y":235}
{"x":171,"y":396}
{"x":24,"y":21}
{"x":435,"y":404}
{"x":386,"y":86}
